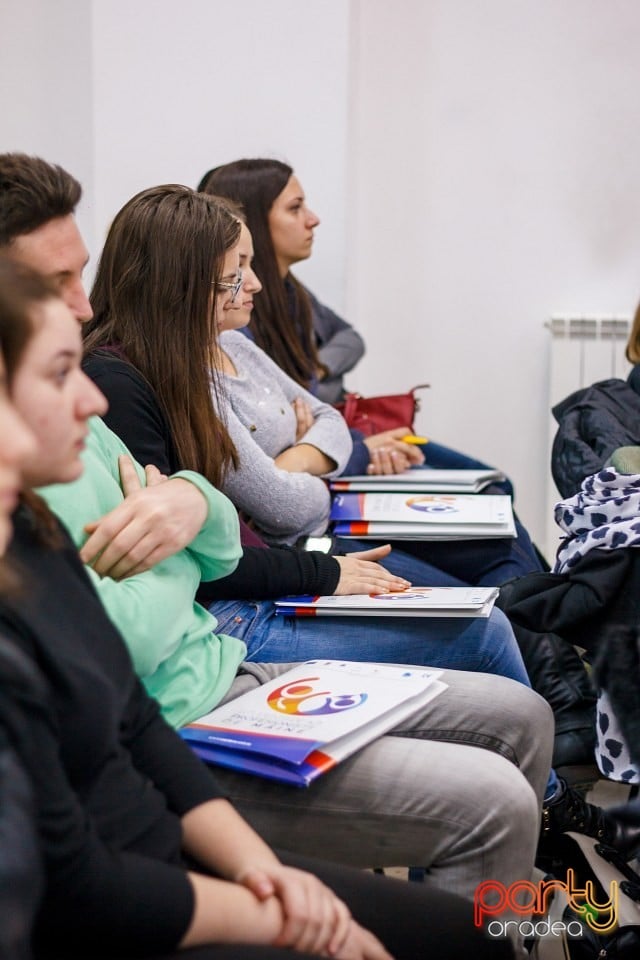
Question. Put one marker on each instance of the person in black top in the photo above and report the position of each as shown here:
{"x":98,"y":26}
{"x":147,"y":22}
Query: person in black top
{"x":22,"y":693}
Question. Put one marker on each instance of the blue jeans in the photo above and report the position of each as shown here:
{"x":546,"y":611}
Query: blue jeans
{"x":486,"y":563}
{"x":475,"y":644}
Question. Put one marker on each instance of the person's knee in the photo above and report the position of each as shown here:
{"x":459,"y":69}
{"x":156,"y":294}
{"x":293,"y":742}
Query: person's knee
{"x":517,"y":722}
{"x":530,"y":711}
{"x":536,"y":715}
{"x":533,"y":728}
{"x":499,"y":629}
{"x":511,"y":702}
{"x":518,"y":808}
{"x":501,"y":813}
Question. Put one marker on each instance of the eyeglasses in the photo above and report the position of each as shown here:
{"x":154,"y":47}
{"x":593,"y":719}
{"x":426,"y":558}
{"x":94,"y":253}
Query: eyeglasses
{"x":233,"y":287}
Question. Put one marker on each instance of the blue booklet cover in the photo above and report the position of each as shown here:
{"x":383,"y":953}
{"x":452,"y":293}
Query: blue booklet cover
{"x":311,"y":717}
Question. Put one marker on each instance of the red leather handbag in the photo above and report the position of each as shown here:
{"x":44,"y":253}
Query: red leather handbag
{"x":372,"y":415}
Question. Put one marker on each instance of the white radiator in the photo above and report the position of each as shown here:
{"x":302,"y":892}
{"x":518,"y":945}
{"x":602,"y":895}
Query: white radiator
{"x":582,"y":350}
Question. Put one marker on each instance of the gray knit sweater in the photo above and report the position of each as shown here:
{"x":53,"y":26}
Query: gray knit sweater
{"x":262,"y":424}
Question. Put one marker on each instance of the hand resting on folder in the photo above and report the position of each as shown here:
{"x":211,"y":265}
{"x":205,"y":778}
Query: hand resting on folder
{"x":359,"y":573}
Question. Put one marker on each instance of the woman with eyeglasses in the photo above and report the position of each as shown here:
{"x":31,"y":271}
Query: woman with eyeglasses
{"x":252,"y":420}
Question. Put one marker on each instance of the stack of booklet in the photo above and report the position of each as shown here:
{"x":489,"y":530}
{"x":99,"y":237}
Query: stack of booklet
{"x":422,"y":516}
{"x":295,"y":728}
{"x":420,"y":479}
{"x":415,"y":602}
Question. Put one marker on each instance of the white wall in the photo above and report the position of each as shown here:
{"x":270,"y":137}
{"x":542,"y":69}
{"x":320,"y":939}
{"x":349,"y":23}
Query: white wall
{"x":496,"y":181}
{"x":46,"y":87}
{"x":475,"y":166}
{"x":182,"y":87}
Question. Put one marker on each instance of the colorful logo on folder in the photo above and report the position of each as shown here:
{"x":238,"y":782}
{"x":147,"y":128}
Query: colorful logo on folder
{"x":430,"y":504}
{"x":301,"y":699}
{"x":401,"y":595}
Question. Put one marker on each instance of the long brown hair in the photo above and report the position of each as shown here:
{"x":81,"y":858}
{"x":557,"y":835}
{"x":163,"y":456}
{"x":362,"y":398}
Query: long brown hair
{"x":152,"y":299}
{"x":22,"y":290}
{"x":281,"y":319}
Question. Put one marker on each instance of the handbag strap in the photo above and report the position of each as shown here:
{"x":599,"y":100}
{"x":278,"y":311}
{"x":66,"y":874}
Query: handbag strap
{"x":416,"y":400}
{"x":350,"y":405}
{"x":420,"y":386}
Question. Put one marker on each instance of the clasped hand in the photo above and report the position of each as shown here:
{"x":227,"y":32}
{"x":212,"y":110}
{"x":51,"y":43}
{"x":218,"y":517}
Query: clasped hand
{"x":304,"y":417}
{"x":315,"y":921}
{"x":389,"y":454}
{"x":151,"y":524}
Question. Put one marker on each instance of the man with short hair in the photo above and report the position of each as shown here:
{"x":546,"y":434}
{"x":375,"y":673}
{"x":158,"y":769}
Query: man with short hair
{"x":38,"y":227}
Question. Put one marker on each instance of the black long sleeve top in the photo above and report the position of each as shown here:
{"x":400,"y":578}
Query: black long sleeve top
{"x":22,"y":693}
{"x":111,"y":779}
{"x":136,"y":417}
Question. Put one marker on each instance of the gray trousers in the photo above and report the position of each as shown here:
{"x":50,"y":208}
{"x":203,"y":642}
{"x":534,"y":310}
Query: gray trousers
{"x":457,"y":788}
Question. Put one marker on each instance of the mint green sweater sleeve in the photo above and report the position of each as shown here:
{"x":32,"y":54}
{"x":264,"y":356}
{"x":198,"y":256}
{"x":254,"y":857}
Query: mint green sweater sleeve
{"x":171,"y":638}
{"x":216,"y":548}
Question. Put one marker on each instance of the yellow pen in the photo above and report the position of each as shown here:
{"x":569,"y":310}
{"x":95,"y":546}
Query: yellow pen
{"x":411,"y":438}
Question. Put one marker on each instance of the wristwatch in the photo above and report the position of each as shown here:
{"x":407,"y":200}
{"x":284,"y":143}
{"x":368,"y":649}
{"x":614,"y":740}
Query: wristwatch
{"x":323,"y":544}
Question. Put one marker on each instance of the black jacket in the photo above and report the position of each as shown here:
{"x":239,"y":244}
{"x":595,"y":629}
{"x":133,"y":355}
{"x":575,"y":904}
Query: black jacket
{"x":594,"y":422}
{"x":595,"y":605}
{"x":23,"y":697}
{"x":111,"y":779}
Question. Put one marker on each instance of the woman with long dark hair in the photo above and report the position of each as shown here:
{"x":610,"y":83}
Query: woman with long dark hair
{"x":139,"y":326}
{"x":308,"y":340}
{"x":282,"y":323}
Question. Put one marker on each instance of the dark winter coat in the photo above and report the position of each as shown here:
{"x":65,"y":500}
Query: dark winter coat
{"x":594,"y":422}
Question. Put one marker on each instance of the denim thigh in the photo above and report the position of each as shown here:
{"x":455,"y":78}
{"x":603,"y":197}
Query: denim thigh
{"x":485,"y":645}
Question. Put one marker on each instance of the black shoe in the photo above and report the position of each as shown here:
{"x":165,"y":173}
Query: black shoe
{"x":574,"y":748}
{"x":571,"y":813}
{"x":623,"y":824}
